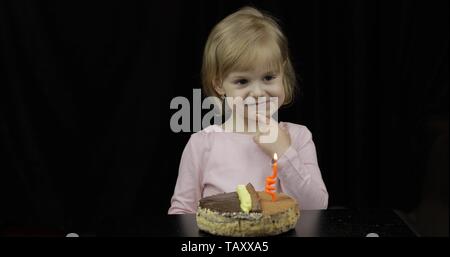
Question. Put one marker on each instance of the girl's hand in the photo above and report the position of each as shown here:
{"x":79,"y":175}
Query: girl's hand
{"x":281,"y":142}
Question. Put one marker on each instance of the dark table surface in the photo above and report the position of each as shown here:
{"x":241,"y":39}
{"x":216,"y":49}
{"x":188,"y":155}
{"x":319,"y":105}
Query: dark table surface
{"x":324,"y":223}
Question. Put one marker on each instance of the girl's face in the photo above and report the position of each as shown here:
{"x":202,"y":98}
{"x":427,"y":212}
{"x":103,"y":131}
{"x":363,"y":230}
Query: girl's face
{"x":253,"y":84}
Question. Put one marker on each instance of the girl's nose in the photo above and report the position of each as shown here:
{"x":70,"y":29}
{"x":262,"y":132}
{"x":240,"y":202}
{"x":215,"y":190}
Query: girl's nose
{"x":257,"y":91}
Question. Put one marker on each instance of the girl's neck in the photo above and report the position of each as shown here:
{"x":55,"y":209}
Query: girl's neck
{"x":243,"y":126}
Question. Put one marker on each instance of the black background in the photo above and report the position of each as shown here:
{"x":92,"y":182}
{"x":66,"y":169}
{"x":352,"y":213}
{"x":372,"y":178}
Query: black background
{"x":85,"y":90}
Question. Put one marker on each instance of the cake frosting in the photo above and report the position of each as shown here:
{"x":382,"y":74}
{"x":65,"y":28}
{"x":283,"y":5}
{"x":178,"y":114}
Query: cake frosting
{"x":222,"y":214}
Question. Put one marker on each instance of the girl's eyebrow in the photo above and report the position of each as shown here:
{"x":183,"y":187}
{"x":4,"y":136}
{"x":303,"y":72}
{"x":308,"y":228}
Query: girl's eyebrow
{"x":271,"y":72}
{"x":246,"y":74}
{"x":238,"y":77}
{"x":239,"y":74}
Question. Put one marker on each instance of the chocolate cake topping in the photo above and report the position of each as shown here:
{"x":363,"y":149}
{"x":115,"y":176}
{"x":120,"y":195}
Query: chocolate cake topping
{"x":226,"y":202}
{"x":256,"y":203}
{"x":229,"y":202}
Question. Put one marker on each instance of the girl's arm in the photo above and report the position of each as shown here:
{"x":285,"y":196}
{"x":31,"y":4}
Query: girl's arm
{"x":188,"y":187}
{"x":299,"y":172}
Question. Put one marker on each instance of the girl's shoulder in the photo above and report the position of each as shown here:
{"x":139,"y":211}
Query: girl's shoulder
{"x":203,"y":136}
{"x":211,"y":129}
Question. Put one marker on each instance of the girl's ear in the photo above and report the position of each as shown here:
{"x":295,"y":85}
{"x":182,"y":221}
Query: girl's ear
{"x":218,"y":87}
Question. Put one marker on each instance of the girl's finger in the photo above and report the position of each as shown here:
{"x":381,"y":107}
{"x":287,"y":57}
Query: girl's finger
{"x":256,"y":137}
{"x":263,"y":119}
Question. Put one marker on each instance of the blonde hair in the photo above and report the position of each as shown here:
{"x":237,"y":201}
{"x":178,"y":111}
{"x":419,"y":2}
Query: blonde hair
{"x":238,"y":42}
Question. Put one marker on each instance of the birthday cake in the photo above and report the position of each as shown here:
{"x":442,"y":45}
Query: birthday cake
{"x":247,"y":212}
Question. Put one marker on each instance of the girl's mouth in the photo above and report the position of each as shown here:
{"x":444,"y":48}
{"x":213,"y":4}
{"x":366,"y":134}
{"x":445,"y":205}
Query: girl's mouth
{"x":267,"y":102}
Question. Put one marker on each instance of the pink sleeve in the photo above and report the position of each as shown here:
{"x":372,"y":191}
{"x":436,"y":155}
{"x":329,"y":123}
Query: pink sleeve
{"x":300,"y":175}
{"x":189,"y":182}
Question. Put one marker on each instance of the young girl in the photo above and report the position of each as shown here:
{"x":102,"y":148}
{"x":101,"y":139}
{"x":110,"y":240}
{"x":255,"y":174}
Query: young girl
{"x":246,"y":57}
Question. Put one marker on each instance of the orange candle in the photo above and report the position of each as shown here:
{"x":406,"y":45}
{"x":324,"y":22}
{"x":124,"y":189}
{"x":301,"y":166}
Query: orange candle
{"x":270,"y":180}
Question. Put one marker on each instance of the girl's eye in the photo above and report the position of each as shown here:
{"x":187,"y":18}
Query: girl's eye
{"x":241,"y":81}
{"x":269,"y":77}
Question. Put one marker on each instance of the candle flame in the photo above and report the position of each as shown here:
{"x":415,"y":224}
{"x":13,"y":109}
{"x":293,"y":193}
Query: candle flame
{"x":275,"y":156}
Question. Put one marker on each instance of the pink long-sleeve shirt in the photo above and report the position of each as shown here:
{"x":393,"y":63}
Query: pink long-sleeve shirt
{"x":215,"y":161}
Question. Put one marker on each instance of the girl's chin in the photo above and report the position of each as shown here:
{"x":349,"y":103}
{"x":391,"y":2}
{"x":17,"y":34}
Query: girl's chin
{"x":255,"y":116}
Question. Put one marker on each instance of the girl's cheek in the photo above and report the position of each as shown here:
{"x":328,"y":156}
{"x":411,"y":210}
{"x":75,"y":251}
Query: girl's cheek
{"x":277,"y":91}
